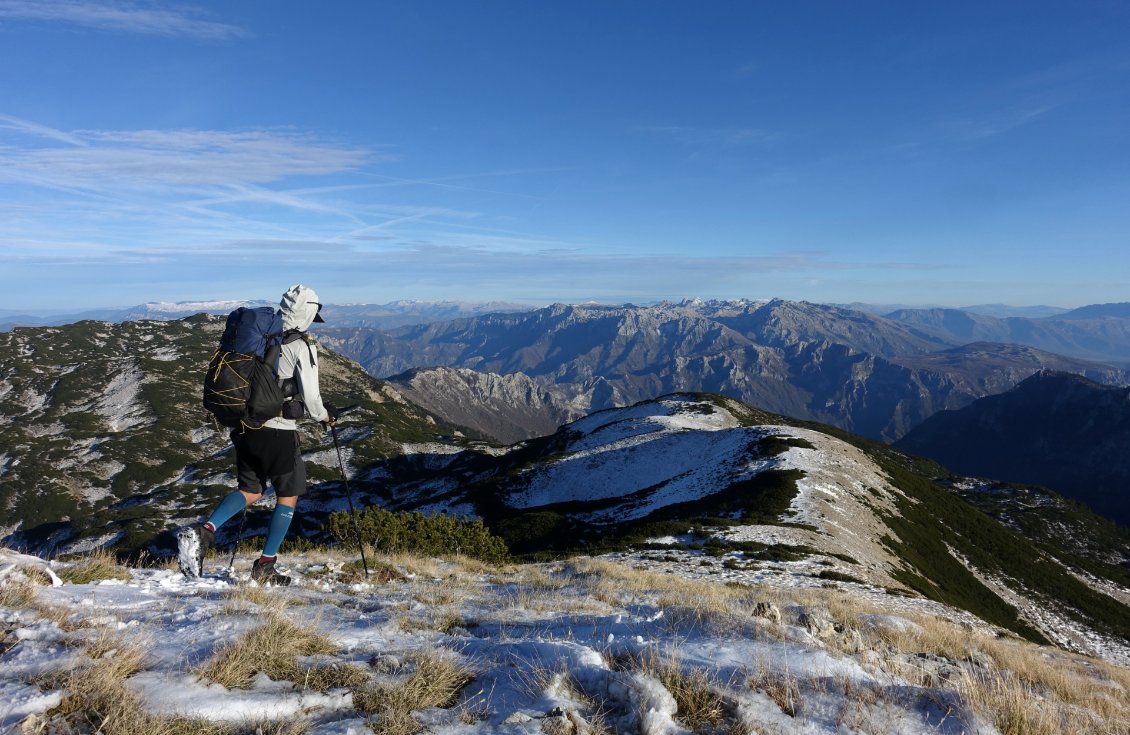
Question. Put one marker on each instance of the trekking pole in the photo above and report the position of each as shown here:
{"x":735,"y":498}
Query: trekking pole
{"x":238,"y":536}
{"x":349,"y":496}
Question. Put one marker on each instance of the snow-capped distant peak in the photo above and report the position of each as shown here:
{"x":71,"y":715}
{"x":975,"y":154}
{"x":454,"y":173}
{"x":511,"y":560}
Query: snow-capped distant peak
{"x":206,"y":306}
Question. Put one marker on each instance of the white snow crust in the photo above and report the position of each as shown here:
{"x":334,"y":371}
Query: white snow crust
{"x":532,"y":654}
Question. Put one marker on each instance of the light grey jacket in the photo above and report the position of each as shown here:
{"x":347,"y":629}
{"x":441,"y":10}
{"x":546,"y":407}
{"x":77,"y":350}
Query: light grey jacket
{"x":299,"y":359}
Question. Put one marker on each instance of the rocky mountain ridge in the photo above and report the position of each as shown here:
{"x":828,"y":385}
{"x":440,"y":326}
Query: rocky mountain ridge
{"x":505,"y":408}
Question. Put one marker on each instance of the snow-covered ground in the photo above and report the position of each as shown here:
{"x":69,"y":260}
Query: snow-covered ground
{"x":585,"y":646}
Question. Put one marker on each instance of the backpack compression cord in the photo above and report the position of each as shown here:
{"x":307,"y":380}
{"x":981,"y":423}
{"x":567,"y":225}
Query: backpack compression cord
{"x":228,"y":393}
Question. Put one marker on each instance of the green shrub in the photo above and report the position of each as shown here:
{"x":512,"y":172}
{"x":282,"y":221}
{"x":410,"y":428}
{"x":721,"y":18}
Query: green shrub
{"x":436,"y":535}
{"x":536,"y":531}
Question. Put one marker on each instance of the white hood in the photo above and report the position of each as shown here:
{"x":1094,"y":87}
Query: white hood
{"x":299,"y":306}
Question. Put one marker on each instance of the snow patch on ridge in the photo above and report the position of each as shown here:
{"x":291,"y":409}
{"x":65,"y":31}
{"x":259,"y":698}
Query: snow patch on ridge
{"x":679,"y":466}
{"x":678,"y":449}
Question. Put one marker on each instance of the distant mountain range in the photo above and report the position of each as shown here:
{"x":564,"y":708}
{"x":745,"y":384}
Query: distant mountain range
{"x":869,"y":374}
{"x":1055,"y":429}
{"x":156,"y":310}
{"x":997,"y":310}
{"x":377,"y":316}
{"x":1099,"y":333}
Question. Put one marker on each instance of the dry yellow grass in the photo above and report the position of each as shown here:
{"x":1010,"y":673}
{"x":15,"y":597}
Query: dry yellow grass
{"x":97,"y":698}
{"x":467,"y":565}
{"x":439,"y":620}
{"x":322,"y":678}
{"x":16,"y":594}
{"x":245,"y":598}
{"x":435,"y":681}
{"x":271,"y":649}
{"x":1037,"y":684}
{"x":782,"y":687}
{"x":537,"y":677}
{"x":618,"y":584}
{"x":696,"y":690}
{"x":1018,"y":686}
{"x":64,"y":618}
{"x":98,"y":565}
{"x":29,"y":574}
{"x":421,"y":566}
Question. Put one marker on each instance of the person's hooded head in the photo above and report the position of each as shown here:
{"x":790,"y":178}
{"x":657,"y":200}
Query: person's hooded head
{"x":299,"y":308}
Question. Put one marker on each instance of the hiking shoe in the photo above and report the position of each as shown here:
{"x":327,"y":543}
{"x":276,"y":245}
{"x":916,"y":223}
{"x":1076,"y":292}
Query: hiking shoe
{"x":263,"y":571}
{"x":193,"y":544}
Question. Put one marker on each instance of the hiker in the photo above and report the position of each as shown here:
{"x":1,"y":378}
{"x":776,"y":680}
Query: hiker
{"x":270,"y":451}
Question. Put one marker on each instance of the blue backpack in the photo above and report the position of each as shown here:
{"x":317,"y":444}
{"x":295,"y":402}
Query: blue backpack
{"x":241,"y":387}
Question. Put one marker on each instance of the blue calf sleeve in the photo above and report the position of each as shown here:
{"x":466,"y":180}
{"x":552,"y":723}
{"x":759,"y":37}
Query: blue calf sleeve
{"x":228,"y":507}
{"x":280,"y":523}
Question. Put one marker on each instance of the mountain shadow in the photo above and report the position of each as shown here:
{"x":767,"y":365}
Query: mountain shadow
{"x":1054,"y":429}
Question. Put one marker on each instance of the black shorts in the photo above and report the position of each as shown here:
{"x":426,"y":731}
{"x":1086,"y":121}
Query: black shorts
{"x":269,"y":454}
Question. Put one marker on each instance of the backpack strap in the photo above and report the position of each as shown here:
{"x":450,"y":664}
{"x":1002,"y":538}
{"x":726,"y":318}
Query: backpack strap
{"x":294,"y":335}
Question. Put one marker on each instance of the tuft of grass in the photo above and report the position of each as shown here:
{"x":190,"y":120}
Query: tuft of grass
{"x":324,"y":677}
{"x":536,"y":678}
{"x":696,"y":690}
{"x":782,"y":687}
{"x":440,"y":621}
{"x":1056,"y":684}
{"x":247,"y":599}
{"x":16,"y":594}
{"x":1014,"y":707}
{"x":97,"y":698}
{"x":380,"y":572}
{"x":435,"y":681}
{"x":96,"y":566}
{"x":272,"y":649}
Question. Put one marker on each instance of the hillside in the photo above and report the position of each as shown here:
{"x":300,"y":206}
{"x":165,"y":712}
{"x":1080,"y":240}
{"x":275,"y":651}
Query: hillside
{"x":103,"y":438}
{"x":860,"y":372}
{"x":1055,"y":429}
{"x":1100,"y":333}
{"x":505,"y":408}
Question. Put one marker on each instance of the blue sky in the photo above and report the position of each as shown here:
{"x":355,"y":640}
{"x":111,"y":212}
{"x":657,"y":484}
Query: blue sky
{"x":885,"y":152}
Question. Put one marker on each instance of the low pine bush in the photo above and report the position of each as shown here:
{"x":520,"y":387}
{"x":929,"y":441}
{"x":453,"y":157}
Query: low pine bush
{"x":434,"y":535}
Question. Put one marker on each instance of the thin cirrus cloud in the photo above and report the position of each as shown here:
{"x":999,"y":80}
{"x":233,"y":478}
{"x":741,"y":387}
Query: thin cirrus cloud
{"x":164,"y":20}
{"x":138,"y":186}
{"x":83,"y":158}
